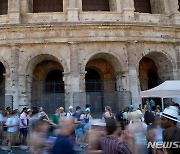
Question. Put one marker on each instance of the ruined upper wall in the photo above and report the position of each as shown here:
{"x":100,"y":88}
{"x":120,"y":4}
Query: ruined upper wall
{"x":162,"y":12}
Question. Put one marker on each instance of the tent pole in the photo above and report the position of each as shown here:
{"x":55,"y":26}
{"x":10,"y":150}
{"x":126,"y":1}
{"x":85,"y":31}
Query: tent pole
{"x":162,"y":101}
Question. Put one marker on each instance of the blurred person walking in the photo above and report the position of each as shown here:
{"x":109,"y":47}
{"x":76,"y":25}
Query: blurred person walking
{"x":64,"y":144}
{"x":97,"y":131}
{"x":111,"y":143}
{"x":138,"y":130}
{"x":38,"y":138}
{"x":155,"y":134}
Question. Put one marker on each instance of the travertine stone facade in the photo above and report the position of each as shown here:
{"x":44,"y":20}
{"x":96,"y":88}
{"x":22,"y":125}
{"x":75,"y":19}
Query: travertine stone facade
{"x":76,"y":39}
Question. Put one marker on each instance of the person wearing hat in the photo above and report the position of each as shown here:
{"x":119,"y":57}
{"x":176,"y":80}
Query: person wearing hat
{"x":61,"y":114}
{"x":70,"y":112}
{"x":169,"y":119}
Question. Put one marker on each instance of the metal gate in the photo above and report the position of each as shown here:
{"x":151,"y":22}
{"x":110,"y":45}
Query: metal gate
{"x":98,"y":100}
{"x":49,"y":96}
{"x":2,"y":97}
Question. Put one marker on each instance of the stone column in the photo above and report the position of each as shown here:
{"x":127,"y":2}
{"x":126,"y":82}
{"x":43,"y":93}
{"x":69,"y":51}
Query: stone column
{"x":26,"y":6}
{"x":14,"y":75}
{"x":115,"y":5}
{"x":24,"y":91}
{"x":67,"y":87}
{"x":75,"y":77}
{"x":14,"y":11}
{"x":8,"y":91}
{"x":128,"y":10}
{"x":134,"y":86}
{"x":173,"y":11}
{"x":119,"y":82}
{"x":72,"y":11}
{"x":178,"y":61}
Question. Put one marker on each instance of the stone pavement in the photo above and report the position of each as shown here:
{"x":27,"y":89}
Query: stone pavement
{"x":18,"y":150}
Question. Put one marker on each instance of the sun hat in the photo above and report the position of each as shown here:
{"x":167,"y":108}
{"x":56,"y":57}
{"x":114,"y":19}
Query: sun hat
{"x":87,"y":110}
{"x":29,"y":110}
{"x":70,"y":107}
{"x":61,"y":108}
{"x":170,"y":113}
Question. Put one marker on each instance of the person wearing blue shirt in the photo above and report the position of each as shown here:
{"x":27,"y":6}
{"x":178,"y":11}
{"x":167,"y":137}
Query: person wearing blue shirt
{"x":64,"y":143}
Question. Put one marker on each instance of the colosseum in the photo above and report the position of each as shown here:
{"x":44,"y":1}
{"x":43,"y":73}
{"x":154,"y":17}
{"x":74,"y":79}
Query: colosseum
{"x":71,"y":52}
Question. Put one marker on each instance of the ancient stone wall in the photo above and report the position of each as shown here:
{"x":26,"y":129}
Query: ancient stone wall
{"x":74,"y":39}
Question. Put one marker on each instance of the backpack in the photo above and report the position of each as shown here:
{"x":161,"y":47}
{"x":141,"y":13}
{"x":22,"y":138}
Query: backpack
{"x":119,"y":116}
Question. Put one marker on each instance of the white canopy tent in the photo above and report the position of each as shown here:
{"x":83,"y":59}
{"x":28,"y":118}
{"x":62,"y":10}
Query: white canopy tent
{"x":168,"y":89}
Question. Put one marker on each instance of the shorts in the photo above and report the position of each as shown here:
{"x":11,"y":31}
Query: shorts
{"x":24,"y":131}
{"x":79,"y":132}
{"x":86,"y":127}
{"x":12,"y":136}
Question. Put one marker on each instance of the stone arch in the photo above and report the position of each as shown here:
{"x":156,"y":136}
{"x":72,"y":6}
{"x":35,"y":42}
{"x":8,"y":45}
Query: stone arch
{"x":163,"y":63}
{"x":48,"y":94}
{"x":4,"y":69}
{"x":116,"y":61}
{"x":40,"y":74}
{"x":34,"y":59}
{"x":6,"y":65}
{"x":157,"y":54}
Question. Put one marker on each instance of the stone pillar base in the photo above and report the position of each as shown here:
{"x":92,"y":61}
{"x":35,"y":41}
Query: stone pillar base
{"x":72,"y":14}
{"x":175,"y":17}
{"x":14,"y":18}
{"x":128,"y":14}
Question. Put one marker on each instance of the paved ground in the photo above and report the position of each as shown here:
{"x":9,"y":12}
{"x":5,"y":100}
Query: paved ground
{"x":17,"y":150}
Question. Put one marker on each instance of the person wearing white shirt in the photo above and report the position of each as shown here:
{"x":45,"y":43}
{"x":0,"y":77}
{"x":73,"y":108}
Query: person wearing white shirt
{"x":23,"y":124}
{"x":12,"y":124}
{"x":70,"y":112}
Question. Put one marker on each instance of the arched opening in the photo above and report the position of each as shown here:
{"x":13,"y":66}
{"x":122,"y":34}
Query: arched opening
{"x":100,"y":76}
{"x":54,"y":82}
{"x":154,"y":69}
{"x":3,"y":7}
{"x":101,"y":83}
{"x":95,"y":5}
{"x":142,"y":6}
{"x":93,"y":80}
{"x":48,"y":86}
{"x":179,"y":5}
{"x":148,"y":74}
{"x":2,"y":86}
{"x":152,"y":78}
{"x":47,"y":6}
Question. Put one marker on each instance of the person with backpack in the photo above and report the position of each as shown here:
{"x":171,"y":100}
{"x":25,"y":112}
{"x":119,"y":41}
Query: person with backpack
{"x":120,"y":119}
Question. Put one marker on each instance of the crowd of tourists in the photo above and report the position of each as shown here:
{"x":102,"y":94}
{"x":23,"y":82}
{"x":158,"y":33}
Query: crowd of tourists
{"x":144,"y":130}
